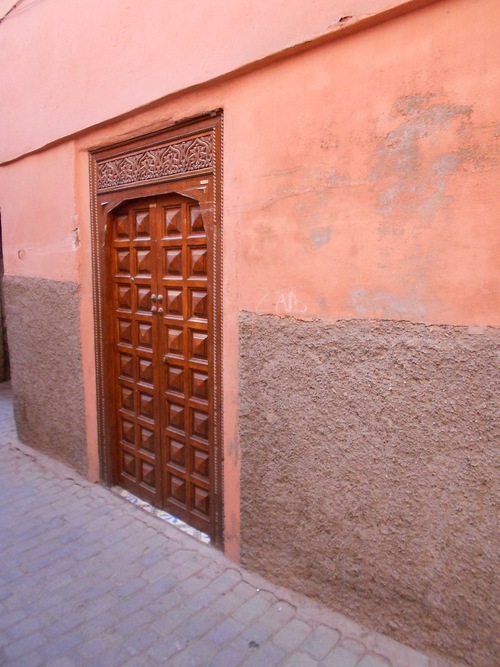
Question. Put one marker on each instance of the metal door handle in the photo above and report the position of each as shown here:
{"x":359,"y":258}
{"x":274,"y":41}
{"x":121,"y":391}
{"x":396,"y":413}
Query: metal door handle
{"x":160,"y":311}
{"x":153,"y":309}
{"x":164,"y":359}
{"x":153,"y":297}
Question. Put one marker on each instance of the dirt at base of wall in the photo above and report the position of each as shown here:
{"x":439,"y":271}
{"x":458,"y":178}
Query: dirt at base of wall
{"x":43,"y":331}
{"x":369,"y":459}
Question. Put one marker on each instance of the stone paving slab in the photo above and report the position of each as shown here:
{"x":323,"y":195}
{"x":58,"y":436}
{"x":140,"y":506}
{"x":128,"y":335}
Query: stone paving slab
{"x":87,"y":578}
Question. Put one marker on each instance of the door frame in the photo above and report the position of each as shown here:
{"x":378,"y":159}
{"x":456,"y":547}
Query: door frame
{"x":174,"y":160}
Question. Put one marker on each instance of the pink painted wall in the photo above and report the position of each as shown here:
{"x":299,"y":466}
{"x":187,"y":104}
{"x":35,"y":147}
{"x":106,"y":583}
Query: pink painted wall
{"x":39,"y":216}
{"x":359,"y":176}
{"x":73,"y":64}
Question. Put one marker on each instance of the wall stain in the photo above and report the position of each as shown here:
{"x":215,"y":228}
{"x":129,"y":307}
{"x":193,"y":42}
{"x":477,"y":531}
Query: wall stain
{"x":384,"y":305}
{"x":320,"y":236}
{"x":413,"y":172}
{"x":232,"y":451}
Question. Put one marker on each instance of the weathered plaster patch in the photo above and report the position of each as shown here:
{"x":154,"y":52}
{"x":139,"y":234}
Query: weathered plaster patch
{"x":413,"y":174}
{"x":232,"y":451}
{"x":369,"y":473}
{"x":430,"y":114}
{"x":383,"y":305}
{"x":320,"y":236}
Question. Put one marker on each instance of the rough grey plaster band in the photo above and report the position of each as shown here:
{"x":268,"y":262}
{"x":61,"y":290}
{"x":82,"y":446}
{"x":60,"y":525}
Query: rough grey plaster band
{"x":43,"y":330}
{"x":370,"y":473}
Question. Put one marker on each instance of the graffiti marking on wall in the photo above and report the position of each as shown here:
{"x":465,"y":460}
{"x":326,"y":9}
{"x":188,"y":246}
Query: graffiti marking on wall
{"x":282,"y":302}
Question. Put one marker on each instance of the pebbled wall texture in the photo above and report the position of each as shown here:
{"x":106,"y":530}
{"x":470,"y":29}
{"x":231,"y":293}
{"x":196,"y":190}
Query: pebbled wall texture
{"x":43,"y":330}
{"x":370,"y":473}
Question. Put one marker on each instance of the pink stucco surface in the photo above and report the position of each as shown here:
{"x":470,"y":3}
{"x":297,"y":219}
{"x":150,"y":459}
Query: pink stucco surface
{"x":360,"y":176}
{"x":74,"y":64}
{"x":40,"y":220}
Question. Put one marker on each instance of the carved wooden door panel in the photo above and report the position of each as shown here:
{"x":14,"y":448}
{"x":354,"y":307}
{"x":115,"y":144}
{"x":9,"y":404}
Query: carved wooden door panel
{"x":162,"y":379}
{"x":135,"y":435}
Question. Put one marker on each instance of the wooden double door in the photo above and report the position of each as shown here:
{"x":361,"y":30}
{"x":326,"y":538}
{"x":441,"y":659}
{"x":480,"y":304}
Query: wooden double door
{"x":161,"y":354}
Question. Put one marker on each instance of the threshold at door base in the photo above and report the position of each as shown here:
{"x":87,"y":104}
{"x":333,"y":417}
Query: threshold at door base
{"x":161,"y":514}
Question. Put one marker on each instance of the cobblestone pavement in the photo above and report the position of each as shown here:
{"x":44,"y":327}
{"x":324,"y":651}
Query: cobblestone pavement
{"x":89,"y":579}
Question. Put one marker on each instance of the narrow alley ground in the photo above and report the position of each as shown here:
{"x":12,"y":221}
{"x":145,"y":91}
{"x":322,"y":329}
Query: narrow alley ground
{"x":90,"y":579}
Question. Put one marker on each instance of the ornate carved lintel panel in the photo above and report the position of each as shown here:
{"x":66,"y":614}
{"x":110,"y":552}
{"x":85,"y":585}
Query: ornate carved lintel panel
{"x":173,"y":159}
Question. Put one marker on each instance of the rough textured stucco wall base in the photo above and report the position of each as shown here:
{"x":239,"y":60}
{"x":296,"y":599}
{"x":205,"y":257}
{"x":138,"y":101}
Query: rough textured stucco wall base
{"x":43,"y":330}
{"x":369,"y":459}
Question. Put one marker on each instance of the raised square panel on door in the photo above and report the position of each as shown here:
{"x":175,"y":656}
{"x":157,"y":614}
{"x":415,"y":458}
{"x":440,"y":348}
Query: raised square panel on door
{"x":195,"y":221}
{"x":146,"y":405}
{"x":126,"y":431}
{"x":142,"y":224}
{"x":148,"y":475}
{"x":144,"y":335}
{"x":172,"y":222}
{"x":143,"y":261}
{"x":197,"y":262}
{"x":200,"y":462}
{"x":176,"y":488}
{"x":176,"y":451}
{"x":124,"y":296}
{"x":200,"y":500}
{"x":198,"y":304}
{"x":174,"y":341}
{"x":199,"y":423}
{"x":176,"y":416}
{"x":174,"y":307}
{"x":176,"y":380}
{"x":144,"y":302}
{"x":125,"y":332}
{"x":198,"y":346}
{"x":173,"y":263}
{"x":126,"y":366}
{"x":145,"y":370}
{"x":129,"y":465}
{"x":122,"y":226}
{"x":127,"y":399}
{"x":146,"y":439}
{"x":199,"y":385}
{"x":123,"y":263}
